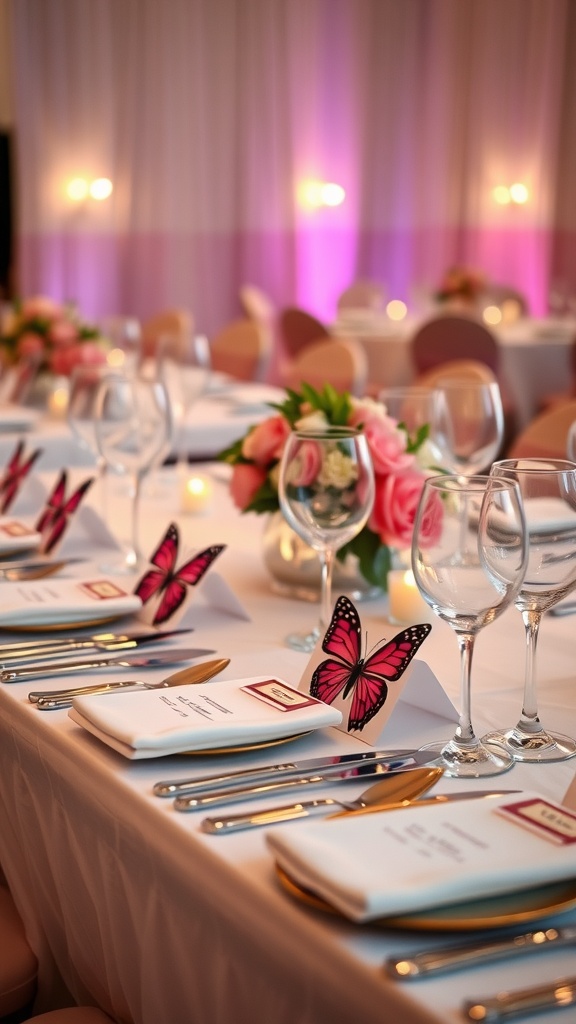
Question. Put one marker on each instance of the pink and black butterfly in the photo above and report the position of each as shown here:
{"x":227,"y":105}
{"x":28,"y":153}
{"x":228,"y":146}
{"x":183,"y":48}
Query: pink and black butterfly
{"x":15,"y":474}
{"x":56,"y":514}
{"x":171,"y":582}
{"x":366,"y":678}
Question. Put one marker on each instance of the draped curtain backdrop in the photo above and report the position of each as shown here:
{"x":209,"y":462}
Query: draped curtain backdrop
{"x":207,"y":115}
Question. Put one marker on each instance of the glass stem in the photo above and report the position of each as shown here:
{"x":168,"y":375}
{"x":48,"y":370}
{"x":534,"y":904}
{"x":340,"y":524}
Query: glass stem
{"x":137,"y":485}
{"x":529,"y":721}
{"x":465,"y":733}
{"x":326,"y":567}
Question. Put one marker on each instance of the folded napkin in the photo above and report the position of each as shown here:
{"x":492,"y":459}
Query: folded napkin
{"x":156,"y":723}
{"x":16,"y":536}
{"x":400,"y":862}
{"x":16,"y":418}
{"x":52,"y":602}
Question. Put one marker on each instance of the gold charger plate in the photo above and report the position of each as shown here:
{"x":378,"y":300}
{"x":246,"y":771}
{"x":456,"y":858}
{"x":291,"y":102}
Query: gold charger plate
{"x":496,"y":912}
{"x":242,"y":748}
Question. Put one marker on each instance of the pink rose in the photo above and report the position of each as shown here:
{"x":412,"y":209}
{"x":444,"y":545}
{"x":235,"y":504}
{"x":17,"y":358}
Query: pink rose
{"x":266,"y":441}
{"x":386,"y":442}
{"x":394,"y":510}
{"x":246,"y":481}
{"x":307,"y":464}
{"x":65,"y":358}
{"x":41,"y":306}
{"x":62,"y":332}
{"x":90,"y":354}
{"x":30,"y":344}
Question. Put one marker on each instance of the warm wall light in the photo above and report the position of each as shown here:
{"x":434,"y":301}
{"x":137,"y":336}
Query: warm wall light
{"x":77,"y":189}
{"x":315,"y":194}
{"x":101,"y":188}
{"x":519,"y":193}
{"x":396,"y":309}
{"x":501,"y":195}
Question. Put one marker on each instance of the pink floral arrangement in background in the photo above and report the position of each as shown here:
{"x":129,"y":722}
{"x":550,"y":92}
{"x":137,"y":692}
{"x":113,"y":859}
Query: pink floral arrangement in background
{"x":51,"y":334}
{"x":399,"y":466}
{"x":462,"y":283}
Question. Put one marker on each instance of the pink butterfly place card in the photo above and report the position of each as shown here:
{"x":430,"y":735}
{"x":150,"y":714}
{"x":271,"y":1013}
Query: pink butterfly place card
{"x":167,"y":588}
{"x":365,"y":679}
{"x":59,"y":512}
{"x":15,"y":474}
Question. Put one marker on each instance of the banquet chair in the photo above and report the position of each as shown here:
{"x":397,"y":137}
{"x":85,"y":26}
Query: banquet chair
{"x":362,"y":295}
{"x":18,"y":964}
{"x":448,"y":337}
{"x":256,"y":305}
{"x":298,"y":329}
{"x":546,"y":435}
{"x":457,"y":369}
{"x":174,"y":326}
{"x":72,"y":1015}
{"x":243,"y":349}
{"x":340,"y":362}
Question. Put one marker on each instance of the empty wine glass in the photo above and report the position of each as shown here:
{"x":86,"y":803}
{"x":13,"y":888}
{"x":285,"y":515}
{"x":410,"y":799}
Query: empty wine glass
{"x":184,"y":364}
{"x":125,"y":336}
{"x":548,"y":489}
{"x":468,"y":424}
{"x":414,"y":408}
{"x":326,"y":492}
{"x":85,"y":382}
{"x":133,"y":429}
{"x":571,"y":443}
{"x":469,"y":555}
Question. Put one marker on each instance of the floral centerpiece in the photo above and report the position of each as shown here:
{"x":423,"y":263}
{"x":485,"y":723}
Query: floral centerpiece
{"x":461,"y":283}
{"x":399,"y":465}
{"x":51,"y":334}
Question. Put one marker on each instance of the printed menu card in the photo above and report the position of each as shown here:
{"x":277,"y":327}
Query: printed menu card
{"x":155,"y":723}
{"x":418,"y":858}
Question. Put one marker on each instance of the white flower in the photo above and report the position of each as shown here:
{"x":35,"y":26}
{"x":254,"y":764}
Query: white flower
{"x":338,"y":470}
{"x":312,"y":421}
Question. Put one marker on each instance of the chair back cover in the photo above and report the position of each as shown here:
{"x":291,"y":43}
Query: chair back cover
{"x":243,"y":349}
{"x":340,"y":362}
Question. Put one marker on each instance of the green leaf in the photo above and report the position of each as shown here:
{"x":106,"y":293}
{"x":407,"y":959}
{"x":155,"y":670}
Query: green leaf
{"x":374,"y":557}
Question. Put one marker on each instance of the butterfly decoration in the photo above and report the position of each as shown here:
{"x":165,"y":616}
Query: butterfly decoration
{"x":169,"y":582}
{"x":57,"y":512}
{"x":15,"y":474}
{"x":346,"y":672}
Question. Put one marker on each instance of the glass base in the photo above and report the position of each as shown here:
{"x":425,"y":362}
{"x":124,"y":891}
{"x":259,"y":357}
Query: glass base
{"x":478,"y":761}
{"x":533,"y":746}
{"x":124,"y":565}
{"x":305,"y":642}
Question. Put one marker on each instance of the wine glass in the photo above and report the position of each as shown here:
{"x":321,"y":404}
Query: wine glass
{"x":184,"y":364}
{"x":133,"y":430}
{"x":414,"y":408}
{"x":548,"y":489}
{"x":469,"y":555}
{"x":85,"y":382}
{"x":571,"y":443}
{"x":125,"y":336}
{"x":468,"y":424}
{"x":326,"y":493}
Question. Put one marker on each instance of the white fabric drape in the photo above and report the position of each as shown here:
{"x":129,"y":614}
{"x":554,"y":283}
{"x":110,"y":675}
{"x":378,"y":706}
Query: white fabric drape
{"x":207,"y":116}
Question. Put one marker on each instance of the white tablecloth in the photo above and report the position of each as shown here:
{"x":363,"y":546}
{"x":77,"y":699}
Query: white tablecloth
{"x":535,"y":354}
{"x":131,"y":906}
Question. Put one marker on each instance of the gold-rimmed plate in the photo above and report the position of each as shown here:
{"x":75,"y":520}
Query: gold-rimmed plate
{"x":496,"y":912}
{"x":243,"y":748}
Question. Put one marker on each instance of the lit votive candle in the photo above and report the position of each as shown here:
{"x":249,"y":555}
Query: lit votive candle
{"x":197,"y":495}
{"x":58,"y":402}
{"x":405,"y":604}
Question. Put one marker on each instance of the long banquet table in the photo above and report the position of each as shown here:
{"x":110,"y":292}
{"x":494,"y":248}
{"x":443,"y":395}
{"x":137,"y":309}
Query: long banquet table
{"x":536,"y":359}
{"x":129,"y":905}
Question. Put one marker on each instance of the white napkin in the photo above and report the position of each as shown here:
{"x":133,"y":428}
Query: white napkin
{"x":16,"y":536}
{"x":54,"y":601}
{"x":156,"y":723}
{"x":409,"y":860}
{"x":17,"y":418}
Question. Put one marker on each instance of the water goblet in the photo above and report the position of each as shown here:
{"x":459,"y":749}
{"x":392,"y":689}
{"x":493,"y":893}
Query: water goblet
{"x":468,"y":424}
{"x":133,"y":430}
{"x":548,"y":489}
{"x":469,"y":555}
{"x":184,"y":364}
{"x":326,"y":493}
{"x":85,"y":382}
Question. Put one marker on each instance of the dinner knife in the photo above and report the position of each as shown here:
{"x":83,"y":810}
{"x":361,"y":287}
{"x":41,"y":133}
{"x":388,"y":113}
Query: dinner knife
{"x":328,"y":775}
{"x":288,"y":769}
{"x":118,"y":661}
{"x":556,"y":995}
{"x":34,"y":649}
{"x":193,"y":674}
{"x":471,"y":953}
{"x":313,"y":808}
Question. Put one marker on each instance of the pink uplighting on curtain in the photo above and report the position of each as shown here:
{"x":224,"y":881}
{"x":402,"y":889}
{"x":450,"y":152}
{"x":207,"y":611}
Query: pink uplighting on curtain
{"x":208,"y":116}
